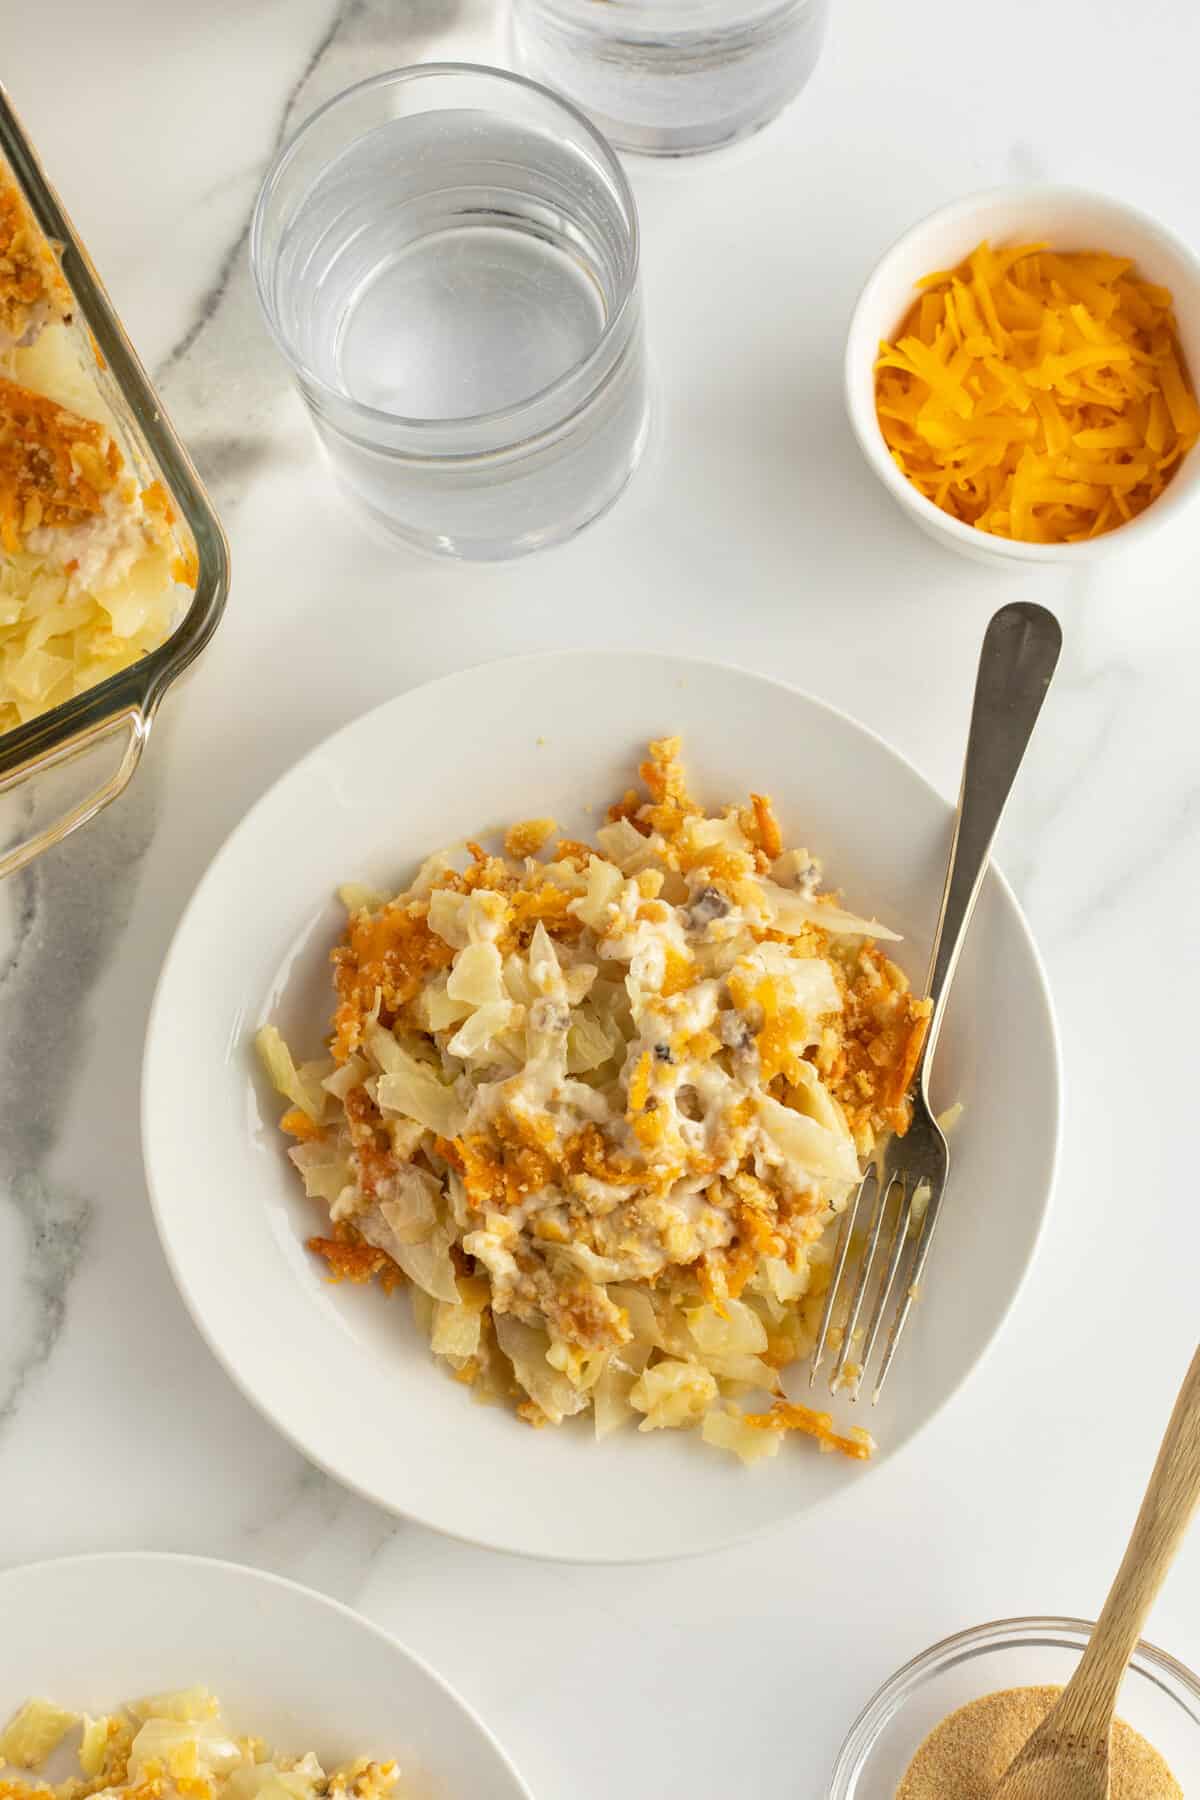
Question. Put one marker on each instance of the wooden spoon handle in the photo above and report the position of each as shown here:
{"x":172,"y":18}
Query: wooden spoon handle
{"x":1086,"y":1707}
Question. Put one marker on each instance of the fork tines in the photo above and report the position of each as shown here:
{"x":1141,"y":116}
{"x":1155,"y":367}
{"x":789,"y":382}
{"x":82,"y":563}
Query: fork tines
{"x":895,"y":1207}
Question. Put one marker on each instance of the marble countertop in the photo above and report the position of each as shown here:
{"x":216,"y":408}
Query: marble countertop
{"x":754,"y":535}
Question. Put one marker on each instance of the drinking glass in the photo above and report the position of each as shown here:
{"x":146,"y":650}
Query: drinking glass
{"x":447,"y":256}
{"x":670,"y":77}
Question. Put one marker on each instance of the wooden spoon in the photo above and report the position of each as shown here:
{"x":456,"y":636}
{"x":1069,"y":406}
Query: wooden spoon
{"x":1067,"y":1758}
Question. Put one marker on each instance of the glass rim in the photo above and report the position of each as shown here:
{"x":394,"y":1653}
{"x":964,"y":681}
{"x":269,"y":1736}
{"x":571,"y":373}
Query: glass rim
{"x":540,"y":397}
{"x":1147,"y":1659}
{"x":712,"y":12}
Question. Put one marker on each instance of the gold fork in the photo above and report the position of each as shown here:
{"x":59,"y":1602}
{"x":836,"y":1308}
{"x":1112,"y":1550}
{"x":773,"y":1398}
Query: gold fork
{"x":1016,"y":663}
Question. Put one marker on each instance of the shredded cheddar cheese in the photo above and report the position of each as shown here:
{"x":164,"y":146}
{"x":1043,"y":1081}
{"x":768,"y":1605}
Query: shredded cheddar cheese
{"x":1038,"y":395}
{"x":786,"y":1416}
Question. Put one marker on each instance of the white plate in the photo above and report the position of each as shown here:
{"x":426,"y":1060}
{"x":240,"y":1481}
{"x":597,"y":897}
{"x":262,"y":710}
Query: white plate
{"x":341,"y":1370}
{"x":288,"y":1665}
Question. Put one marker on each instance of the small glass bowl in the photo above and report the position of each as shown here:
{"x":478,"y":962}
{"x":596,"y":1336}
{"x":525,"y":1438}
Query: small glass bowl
{"x":1160,"y":1698}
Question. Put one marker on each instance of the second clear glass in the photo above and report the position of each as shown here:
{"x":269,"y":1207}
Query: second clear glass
{"x":672,"y":77}
{"x":448,"y":258}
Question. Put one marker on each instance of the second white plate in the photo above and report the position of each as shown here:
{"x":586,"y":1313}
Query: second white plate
{"x":342,"y":1371}
{"x":288,"y":1665}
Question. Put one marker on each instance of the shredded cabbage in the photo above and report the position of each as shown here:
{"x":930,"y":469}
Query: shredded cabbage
{"x":644,"y":1324}
{"x":351,"y":1075}
{"x":622,"y":843}
{"x":588,"y":1044}
{"x":792,"y":912}
{"x":414,"y":1090}
{"x":436,"y":1011}
{"x":355,"y":896}
{"x":809,"y":980}
{"x":807,"y":1147}
{"x":611,"y":1405}
{"x":526,"y":1347}
{"x":810,"y":1095}
{"x":324,"y":1169}
{"x":56,"y":642}
{"x":784,"y":1284}
{"x":456,"y":1329}
{"x":604,"y":885}
{"x":159,"y":1738}
{"x":93,"y":1744}
{"x":35,"y":1730}
{"x":289,"y":1081}
{"x":739,"y":1333}
{"x":484,"y":1024}
{"x":673,"y":1394}
{"x":448,"y":917}
{"x":743,"y":1371}
{"x":176,"y":1743}
{"x":724,"y":833}
{"x":726,"y":1429}
{"x":434,"y":869}
{"x":427,"y":1264}
{"x":478,"y":976}
{"x":411,"y":1211}
{"x":264,"y":1781}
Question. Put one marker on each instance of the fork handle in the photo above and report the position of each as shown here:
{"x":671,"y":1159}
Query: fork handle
{"x":1086,"y":1706}
{"x":1019,"y":655}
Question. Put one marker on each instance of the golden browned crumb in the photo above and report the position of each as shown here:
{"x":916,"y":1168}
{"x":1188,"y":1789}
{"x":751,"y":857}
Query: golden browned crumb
{"x":350,"y":1258}
{"x":55,"y":467}
{"x":528,"y":837}
{"x":31,"y":284}
{"x":868,"y":1061}
{"x":389,"y":953}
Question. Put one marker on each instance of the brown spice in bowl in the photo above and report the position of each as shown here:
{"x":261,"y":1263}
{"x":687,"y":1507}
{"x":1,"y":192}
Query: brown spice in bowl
{"x":965,"y":1756}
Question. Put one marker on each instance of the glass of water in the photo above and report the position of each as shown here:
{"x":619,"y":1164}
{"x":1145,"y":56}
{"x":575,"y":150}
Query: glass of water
{"x":448,"y":258}
{"x":670,"y":77}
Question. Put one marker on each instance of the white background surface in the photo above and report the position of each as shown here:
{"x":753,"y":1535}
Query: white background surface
{"x":756,"y":535}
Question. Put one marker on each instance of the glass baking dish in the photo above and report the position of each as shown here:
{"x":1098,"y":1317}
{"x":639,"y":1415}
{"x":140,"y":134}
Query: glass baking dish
{"x":122,"y":707}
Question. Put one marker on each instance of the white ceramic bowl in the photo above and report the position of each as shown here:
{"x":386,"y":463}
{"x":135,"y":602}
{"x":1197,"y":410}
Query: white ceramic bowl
{"x":288,"y":1665}
{"x":1065,"y":218}
{"x":342,"y":1370}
